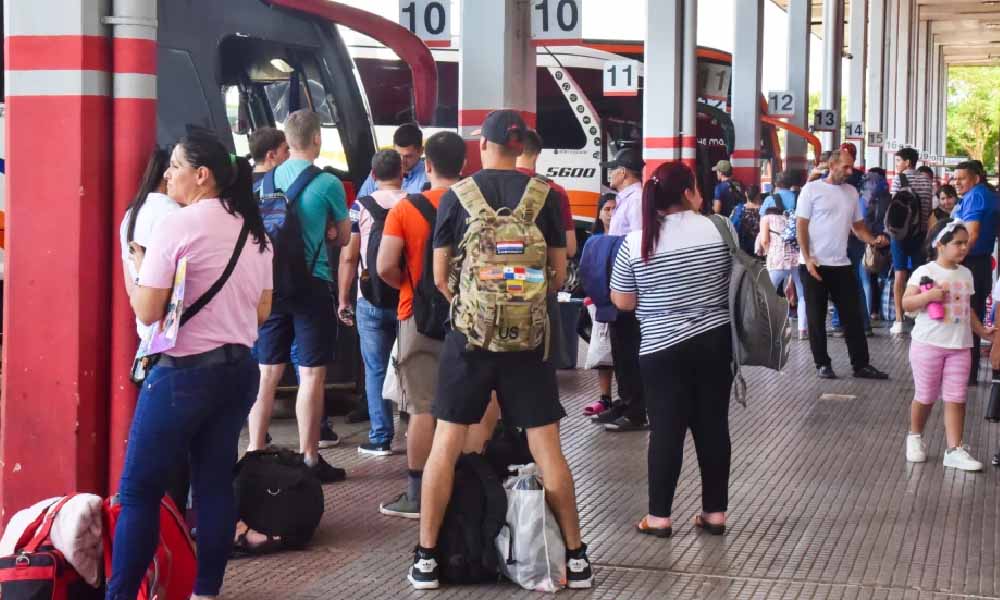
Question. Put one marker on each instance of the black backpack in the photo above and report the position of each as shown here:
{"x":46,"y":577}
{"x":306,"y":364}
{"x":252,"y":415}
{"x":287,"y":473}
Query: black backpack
{"x":476,"y":512}
{"x":293,"y":271}
{"x":507,"y":447}
{"x":902,"y":218}
{"x":376,"y":291}
{"x":278,"y":495}
{"x":430,"y":308}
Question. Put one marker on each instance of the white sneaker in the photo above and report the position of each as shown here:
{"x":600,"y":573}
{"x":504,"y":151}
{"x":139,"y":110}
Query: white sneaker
{"x":898,"y":328}
{"x":959,"y":458}
{"x":916,"y":452}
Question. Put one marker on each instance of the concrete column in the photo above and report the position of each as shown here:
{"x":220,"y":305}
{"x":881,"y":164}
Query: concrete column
{"x":796,"y":152}
{"x":833,"y":52}
{"x":689,"y":91}
{"x":875,"y":57}
{"x":933,"y":88}
{"x":856,"y":72}
{"x":497,"y":66}
{"x":943,"y":108}
{"x":921,"y":95}
{"x":53,"y":436}
{"x":663,"y":104}
{"x":891,"y":62}
{"x":902,"y":104}
{"x":748,"y":53}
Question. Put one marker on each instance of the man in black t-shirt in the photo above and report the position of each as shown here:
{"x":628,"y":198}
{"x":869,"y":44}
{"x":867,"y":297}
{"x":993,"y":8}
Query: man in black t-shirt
{"x":524,"y":381}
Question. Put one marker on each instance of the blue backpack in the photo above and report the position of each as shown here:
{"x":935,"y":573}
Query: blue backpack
{"x":279,"y":210}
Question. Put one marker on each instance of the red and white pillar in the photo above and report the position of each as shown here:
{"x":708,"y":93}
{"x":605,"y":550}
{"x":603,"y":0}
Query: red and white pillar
{"x":133,"y":137}
{"x":53,"y":432}
{"x":496,"y":68}
{"x":663,"y":99}
{"x":748,"y":51}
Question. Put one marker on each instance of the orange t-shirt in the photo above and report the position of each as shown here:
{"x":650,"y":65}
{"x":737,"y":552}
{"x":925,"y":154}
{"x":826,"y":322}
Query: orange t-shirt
{"x":406,"y":222}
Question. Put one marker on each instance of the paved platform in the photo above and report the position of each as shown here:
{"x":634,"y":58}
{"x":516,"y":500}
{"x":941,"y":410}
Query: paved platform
{"x":823,"y":505}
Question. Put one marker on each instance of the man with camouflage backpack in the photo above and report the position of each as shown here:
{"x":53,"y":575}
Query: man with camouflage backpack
{"x":505,"y":232}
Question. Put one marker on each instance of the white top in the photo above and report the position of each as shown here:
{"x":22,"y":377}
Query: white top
{"x":628,"y":211}
{"x":831,"y":210}
{"x":955,"y":330}
{"x":683,"y":290}
{"x":151,"y":214}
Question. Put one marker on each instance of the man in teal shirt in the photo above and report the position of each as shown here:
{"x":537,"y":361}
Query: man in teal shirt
{"x":308,"y":321}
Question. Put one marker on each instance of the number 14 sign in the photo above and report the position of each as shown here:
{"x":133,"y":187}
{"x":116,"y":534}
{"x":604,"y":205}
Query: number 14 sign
{"x":621,"y":78}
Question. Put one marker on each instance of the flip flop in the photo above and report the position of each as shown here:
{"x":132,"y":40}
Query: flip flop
{"x":243,"y":549}
{"x":594,"y":408}
{"x":712,"y":528}
{"x":660,"y":532}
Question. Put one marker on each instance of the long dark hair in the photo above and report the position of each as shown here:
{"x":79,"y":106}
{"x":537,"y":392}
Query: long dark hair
{"x":233,"y":175}
{"x":156,"y":166}
{"x":662,"y":191}
{"x":598,"y":226}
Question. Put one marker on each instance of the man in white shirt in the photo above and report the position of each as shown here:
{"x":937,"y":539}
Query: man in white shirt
{"x":826,"y":213}
{"x":625,"y":177}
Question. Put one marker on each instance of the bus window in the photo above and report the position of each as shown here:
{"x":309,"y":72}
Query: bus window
{"x":388,"y":84}
{"x":557,"y":123}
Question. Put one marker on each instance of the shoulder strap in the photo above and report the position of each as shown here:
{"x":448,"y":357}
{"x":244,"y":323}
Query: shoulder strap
{"x":205,"y":298}
{"x":903,"y":181}
{"x":532,"y":200}
{"x":49,"y":518}
{"x":373,"y":207}
{"x":471,"y":197}
{"x":422,"y":204}
{"x":727,"y":236}
{"x":300,"y":183}
{"x":267,"y":186}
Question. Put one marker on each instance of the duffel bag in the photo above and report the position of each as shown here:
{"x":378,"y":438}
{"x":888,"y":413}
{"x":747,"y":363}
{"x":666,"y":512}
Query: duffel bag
{"x":278,"y":495}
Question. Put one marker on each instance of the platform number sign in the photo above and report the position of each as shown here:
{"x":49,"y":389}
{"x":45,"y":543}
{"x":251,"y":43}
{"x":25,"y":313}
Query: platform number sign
{"x":781,"y":104}
{"x":429,"y":20}
{"x":826,"y":120}
{"x":555,"y":20}
{"x":854,"y":130}
{"x":621,"y":78}
{"x":876,"y":139}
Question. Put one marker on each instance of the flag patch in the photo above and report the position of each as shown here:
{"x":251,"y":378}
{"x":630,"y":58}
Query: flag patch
{"x":516,"y":247}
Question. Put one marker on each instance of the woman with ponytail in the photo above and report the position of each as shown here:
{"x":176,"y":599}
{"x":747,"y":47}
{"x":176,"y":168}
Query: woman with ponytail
{"x":196,"y":398}
{"x":675,"y":274}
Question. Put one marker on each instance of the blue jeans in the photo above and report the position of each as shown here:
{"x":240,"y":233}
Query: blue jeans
{"x":377,"y":331}
{"x":779,"y":277}
{"x":192,"y":412}
{"x":864,"y":290}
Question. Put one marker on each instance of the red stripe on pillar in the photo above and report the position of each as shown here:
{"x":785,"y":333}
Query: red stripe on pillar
{"x":58,"y":52}
{"x":670,"y":142}
{"x":745,"y":154}
{"x":747,"y":175}
{"x":133,"y":55}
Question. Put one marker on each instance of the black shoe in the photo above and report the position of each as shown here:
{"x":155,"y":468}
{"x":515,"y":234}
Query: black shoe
{"x":327,"y":473}
{"x":826,"y":372}
{"x":996,"y":460}
{"x":423,"y":573}
{"x":869,"y":372}
{"x":358,"y":415}
{"x":373,"y":449}
{"x":624,"y":423}
{"x":267,"y":438}
{"x":579,"y":575}
{"x":328,"y":438}
{"x":617,"y":409}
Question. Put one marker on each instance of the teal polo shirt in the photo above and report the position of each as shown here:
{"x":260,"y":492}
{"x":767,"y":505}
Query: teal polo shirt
{"x":322,"y":202}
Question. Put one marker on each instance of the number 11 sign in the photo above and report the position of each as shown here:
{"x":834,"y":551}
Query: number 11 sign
{"x":621,"y":78}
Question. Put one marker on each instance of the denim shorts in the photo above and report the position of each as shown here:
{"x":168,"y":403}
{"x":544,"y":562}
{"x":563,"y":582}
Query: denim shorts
{"x":908,"y":254}
{"x":310,"y":323}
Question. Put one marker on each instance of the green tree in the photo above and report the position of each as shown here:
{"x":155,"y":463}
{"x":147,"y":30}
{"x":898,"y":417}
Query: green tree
{"x":974,"y":113}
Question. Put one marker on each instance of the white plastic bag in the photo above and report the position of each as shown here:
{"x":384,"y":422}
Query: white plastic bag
{"x":391,"y":390}
{"x":531,"y":547}
{"x":599,"y":349}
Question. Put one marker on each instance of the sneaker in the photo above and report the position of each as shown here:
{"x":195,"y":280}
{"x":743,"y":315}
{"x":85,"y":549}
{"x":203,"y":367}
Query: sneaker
{"x":869,"y":332}
{"x":423,"y":573}
{"x":358,"y":415}
{"x":616,"y":410}
{"x":837,"y":332}
{"x":624,"y":423}
{"x":825,"y":372}
{"x":328,"y":438}
{"x":402,"y":506}
{"x":579,"y":575}
{"x":959,"y":458}
{"x":869,"y":372}
{"x":897,"y":328}
{"x":376,"y":449}
{"x":916,"y":451}
{"x":327,"y":473}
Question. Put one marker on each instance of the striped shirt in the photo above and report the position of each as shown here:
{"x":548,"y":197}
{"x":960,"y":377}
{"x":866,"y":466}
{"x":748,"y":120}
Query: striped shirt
{"x":683,"y":290}
{"x":923,"y":188}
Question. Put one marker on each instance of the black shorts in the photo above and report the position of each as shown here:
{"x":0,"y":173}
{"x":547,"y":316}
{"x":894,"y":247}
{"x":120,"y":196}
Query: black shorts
{"x":310,"y":323}
{"x":526,"y":385}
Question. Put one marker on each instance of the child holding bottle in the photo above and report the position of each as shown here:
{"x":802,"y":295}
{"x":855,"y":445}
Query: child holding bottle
{"x":938,"y":294}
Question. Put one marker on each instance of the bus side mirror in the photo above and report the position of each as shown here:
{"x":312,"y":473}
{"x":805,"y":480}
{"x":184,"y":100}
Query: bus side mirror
{"x":243,"y":115}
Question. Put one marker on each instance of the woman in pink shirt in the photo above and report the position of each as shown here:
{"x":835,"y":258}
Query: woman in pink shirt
{"x":196,"y":398}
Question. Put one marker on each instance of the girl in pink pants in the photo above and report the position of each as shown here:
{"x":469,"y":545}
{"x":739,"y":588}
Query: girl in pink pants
{"x":938,"y":294}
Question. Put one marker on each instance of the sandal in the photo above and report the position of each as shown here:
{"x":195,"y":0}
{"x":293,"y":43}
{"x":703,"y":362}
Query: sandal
{"x":644,"y":528}
{"x":712,"y":528}
{"x":242,"y":548}
{"x":597,"y":407}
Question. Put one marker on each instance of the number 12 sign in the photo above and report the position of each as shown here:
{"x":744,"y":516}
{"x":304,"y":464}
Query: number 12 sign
{"x":621,"y":78}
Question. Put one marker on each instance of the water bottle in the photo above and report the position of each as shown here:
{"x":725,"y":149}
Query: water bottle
{"x":935,"y":310}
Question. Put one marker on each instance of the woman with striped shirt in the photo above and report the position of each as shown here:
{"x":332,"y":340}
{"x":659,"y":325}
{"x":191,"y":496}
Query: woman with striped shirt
{"x":675,"y":274}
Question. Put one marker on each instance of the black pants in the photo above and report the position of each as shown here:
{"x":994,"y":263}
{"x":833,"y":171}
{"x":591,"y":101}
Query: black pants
{"x":982,"y":280}
{"x":625,"y":336}
{"x":839,"y":284}
{"x":688,"y":386}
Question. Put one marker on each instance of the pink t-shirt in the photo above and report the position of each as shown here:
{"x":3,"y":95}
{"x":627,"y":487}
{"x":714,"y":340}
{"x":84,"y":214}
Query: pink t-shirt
{"x":206,"y":234}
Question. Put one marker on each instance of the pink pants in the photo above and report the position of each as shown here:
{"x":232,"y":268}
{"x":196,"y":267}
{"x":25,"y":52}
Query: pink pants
{"x":939,"y":372}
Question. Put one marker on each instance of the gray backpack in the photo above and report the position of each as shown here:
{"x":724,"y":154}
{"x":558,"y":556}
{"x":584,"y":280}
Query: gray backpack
{"x":761,"y":332}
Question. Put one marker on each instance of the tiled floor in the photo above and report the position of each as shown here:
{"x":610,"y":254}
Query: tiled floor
{"x":823,"y":505}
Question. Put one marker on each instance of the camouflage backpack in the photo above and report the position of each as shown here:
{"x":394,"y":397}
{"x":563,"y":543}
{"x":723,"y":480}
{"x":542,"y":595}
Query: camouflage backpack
{"x":502,"y":269}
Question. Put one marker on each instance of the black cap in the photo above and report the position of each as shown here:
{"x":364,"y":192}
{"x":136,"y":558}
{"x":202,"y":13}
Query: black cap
{"x":504,"y":127}
{"x":630,"y":158}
